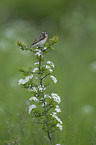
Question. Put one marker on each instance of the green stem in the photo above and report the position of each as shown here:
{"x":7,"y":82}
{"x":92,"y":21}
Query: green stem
{"x":45,"y":107}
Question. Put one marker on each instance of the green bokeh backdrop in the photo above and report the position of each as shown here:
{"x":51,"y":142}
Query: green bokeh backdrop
{"x":74,"y":22}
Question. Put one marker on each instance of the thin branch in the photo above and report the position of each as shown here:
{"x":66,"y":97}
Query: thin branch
{"x":41,"y":83}
{"x":27,"y":86}
{"x":27,"y":48}
{"x":28,"y":72}
{"x":52,"y":125}
{"x":48,"y":47}
{"x":45,"y":76}
{"x":53,"y":131}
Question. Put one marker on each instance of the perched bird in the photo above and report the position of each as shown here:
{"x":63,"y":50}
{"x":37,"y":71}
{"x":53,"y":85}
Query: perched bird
{"x":41,"y":39}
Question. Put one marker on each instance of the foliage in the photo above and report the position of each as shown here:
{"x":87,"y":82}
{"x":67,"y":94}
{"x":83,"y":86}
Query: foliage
{"x":44,"y":107}
{"x":75,"y":64}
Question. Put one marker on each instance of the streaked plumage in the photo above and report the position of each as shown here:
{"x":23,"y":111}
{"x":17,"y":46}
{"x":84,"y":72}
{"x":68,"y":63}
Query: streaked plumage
{"x":41,"y":39}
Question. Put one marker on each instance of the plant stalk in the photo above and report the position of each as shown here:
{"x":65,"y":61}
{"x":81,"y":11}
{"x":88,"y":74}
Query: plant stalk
{"x":45,"y":107}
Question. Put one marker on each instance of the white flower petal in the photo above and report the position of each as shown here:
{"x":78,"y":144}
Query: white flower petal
{"x":45,"y":48}
{"x":33,"y":89}
{"x":56,"y":98}
{"x":36,"y":78}
{"x":34,"y":98}
{"x":50,"y":63}
{"x":47,"y":67}
{"x":43,"y":104}
{"x":60,"y":126}
{"x":21,"y":81}
{"x":56,"y":117}
{"x":31,"y":107}
{"x":50,"y":70}
{"x":36,"y":63}
{"x":57,"y":109}
{"x":54,"y":79}
{"x":35,"y":69}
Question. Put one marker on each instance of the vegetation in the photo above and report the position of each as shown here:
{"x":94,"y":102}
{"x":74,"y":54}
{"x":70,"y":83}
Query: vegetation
{"x":75,"y":58}
{"x":44,"y":107}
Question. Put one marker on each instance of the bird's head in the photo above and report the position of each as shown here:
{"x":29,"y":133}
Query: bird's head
{"x":45,"y":34}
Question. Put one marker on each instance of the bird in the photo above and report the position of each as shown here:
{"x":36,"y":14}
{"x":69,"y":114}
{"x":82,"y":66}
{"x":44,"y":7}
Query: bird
{"x":41,"y":39}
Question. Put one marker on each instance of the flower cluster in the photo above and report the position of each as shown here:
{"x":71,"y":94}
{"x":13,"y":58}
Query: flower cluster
{"x":38,"y":53}
{"x":47,"y":67}
{"x":42,"y":106}
{"x":54,"y":79}
{"x":31,"y":107}
{"x":50,"y":63}
{"x":23,"y":81}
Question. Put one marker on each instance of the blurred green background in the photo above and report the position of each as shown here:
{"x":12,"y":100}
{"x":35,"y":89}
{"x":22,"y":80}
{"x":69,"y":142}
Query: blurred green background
{"x":74,"y":22}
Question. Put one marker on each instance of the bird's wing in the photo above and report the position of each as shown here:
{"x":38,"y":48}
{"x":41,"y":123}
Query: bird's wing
{"x":39,"y":38}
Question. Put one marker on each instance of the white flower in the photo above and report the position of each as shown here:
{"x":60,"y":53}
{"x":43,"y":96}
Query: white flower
{"x":54,"y":79}
{"x":34,"y":98}
{"x":45,"y":48}
{"x":57,"y":109}
{"x":35,"y":69}
{"x":56,"y":98}
{"x":33,"y":89}
{"x":50,"y":70}
{"x":38,"y":53}
{"x":47,"y":66}
{"x":43,"y":104}
{"x":44,"y":88}
{"x":56,"y":117}
{"x":28,"y":77}
{"x":60,"y":126}
{"x":31,"y":107}
{"x":47,"y":95}
{"x":36,"y":78}
{"x":29,"y":86}
{"x":51,"y":63}
{"x":36,"y":49}
{"x":36,"y":63}
{"x":21,"y":81}
{"x":40,"y":88}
